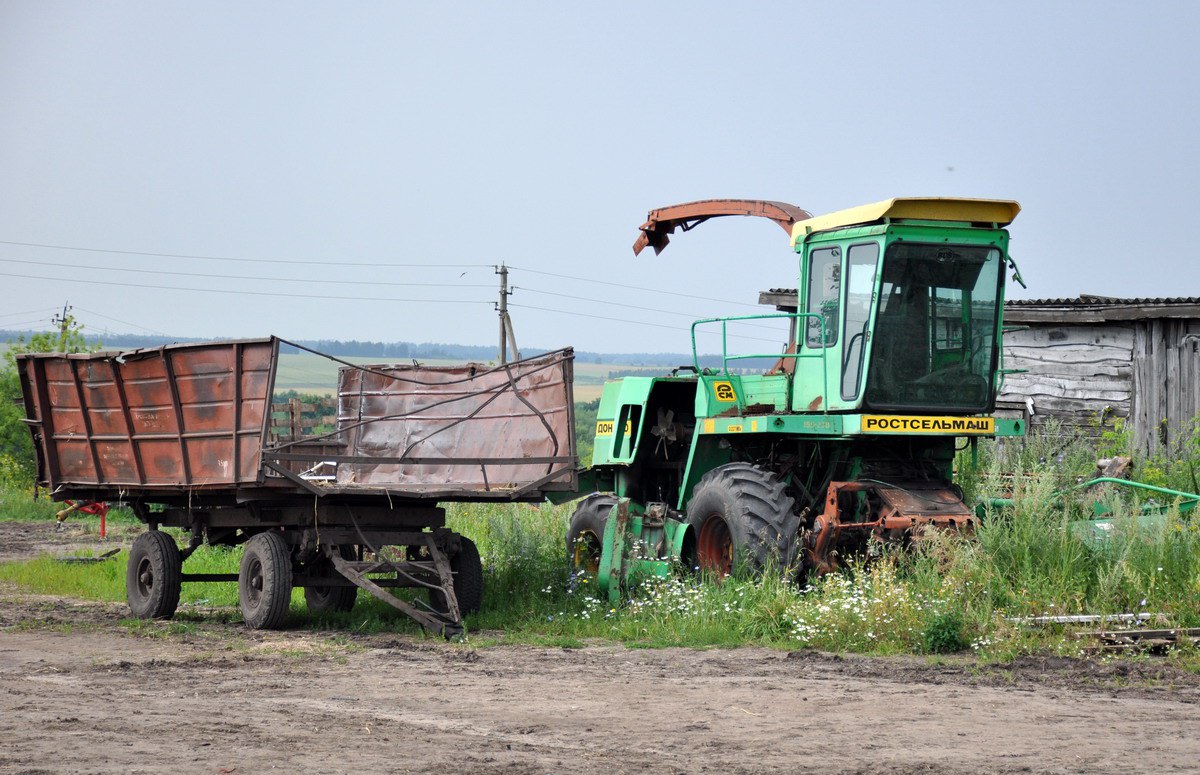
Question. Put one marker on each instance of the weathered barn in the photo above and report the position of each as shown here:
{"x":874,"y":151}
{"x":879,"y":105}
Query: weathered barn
{"x":1090,"y":361}
{"x":1092,"y":358}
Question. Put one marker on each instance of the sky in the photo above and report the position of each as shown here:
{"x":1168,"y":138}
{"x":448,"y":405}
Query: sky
{"x":369,"y":164}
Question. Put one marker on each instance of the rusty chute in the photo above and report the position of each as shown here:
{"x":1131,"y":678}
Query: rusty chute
{"x":661,"y":223}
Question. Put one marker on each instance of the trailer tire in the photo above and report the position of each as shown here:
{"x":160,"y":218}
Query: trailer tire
{"x":265,"y":581}
{"x":585,"y":532}
{"x":153,"y":576}
{"x":739,"y":510}
{"x":467,"y":568}
{"x":333,"y":599}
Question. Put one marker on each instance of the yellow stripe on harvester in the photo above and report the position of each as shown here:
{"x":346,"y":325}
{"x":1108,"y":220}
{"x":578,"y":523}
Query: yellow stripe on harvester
{"x":874,"y":423}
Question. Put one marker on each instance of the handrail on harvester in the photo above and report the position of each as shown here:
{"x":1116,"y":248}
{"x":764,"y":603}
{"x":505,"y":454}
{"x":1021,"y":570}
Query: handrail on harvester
{"x":726,"y":357}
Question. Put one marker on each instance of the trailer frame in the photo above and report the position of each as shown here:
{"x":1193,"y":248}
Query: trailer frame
{"x":180,"y":434}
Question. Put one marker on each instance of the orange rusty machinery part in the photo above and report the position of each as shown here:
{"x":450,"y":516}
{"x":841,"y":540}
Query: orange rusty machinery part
{"x":898,"y":508}
{"x":661,"y":223}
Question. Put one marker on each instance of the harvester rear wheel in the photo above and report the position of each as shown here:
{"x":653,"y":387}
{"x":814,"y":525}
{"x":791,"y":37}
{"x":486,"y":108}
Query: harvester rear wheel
{"x":468,"y":580}
{"x":322,"y":600}
{"x":265,"y":581}
{"x":741,"y":510}
{"x":153,"y":576}
{"x":585,"y":532}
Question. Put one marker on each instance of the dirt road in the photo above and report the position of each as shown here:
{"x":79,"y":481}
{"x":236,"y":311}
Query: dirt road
{"x":79,"y":693}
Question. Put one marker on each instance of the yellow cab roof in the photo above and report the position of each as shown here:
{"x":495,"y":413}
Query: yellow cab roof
{"x":998,"y":211}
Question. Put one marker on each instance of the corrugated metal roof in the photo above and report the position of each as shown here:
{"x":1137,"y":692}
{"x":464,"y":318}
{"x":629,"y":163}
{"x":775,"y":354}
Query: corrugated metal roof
{"x":1087,"y":299}
{"x":1084,"y":299}
{"x":1085,"y":308}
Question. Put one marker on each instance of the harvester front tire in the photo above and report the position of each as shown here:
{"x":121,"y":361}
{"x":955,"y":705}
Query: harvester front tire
{"x":467,"y":568}
{"x":153,"y":576}
{"x":585,"y":532}
{"x":739,"y":510}
{"x":327,"y":600}
{"x":265,"y":581}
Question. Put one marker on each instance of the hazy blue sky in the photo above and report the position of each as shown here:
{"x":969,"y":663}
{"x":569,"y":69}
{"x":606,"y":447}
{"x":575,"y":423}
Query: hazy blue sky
{"x":540,"y":134}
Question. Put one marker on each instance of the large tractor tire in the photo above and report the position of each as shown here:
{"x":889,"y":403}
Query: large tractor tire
{"x":153,"y":576}
{"x":265,"y":581}
{"x":332,"y":599}
{"x":585,"y":532}
{"x":741,"y":511}
{"x":468,"y":580}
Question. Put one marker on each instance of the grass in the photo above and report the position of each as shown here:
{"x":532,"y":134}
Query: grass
{"x":18,"y":504}
{"x":951,"y":593}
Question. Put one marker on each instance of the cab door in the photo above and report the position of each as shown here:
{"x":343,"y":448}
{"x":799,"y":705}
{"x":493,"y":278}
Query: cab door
{"x":834,"y":332}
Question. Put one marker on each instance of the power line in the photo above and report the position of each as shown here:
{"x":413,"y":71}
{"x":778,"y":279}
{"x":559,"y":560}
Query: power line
{"x":599,"y":317}
{"x":27,"y":312}
{"x":118,"y":320}
{"x":207,"y":276}
{"x":636,"y":322}
{"x":239,"y":292}
{"x":633,"y":287}
{"x":12,"y":326}
{"x":242,"y":260}
{"x":606,"y":302}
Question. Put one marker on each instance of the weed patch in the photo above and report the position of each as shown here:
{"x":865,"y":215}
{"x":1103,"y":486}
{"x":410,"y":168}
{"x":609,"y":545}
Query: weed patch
{"x":950,"y":593}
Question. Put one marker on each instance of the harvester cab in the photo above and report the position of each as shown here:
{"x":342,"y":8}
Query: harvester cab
{"x":893,"y":355}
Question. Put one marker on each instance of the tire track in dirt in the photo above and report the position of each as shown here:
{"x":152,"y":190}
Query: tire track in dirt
{"x":79,"y":693}
{"x":97,"y":700}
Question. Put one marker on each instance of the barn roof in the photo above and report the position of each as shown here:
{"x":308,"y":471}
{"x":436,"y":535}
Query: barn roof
{"x":1085,"y":308}
{"x":1089,"y":308}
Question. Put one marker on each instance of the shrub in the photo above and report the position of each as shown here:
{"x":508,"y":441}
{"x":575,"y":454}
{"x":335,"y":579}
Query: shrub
{"x":944,"y":633}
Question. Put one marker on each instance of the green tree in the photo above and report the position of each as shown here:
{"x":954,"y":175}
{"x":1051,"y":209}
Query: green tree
{"x":585,"y":429}
{"x":15,"y":442}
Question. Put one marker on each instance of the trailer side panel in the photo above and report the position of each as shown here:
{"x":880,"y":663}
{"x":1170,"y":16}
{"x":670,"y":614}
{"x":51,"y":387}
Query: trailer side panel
{"x":185,"y":416}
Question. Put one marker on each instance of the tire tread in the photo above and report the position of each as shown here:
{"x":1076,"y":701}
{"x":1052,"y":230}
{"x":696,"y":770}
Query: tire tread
{"x":764,"y":512}
{"x":324,"y":600}
{"x":277,"y":563}
{"x":468,"y":580}
{"x":169,"y":576}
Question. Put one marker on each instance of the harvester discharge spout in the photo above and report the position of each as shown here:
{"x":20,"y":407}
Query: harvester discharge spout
{"x":661,"y":223}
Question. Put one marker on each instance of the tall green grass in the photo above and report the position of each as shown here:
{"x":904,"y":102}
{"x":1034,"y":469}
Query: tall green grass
{"x":106,"y":580}
{"x":950,"y":592}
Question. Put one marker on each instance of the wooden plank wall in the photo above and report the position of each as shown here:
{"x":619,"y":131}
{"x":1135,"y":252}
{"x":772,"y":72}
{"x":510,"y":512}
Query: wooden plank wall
{"x":1081,"y":375}
{"x":1166,"y":359}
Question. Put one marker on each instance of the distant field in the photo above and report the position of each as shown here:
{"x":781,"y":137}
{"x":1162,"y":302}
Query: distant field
{"x":309,"y":373}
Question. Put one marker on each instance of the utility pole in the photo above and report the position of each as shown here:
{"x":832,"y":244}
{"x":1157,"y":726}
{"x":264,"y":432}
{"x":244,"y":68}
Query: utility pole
{"x":62,"y":321}
{"x":508,"y":337}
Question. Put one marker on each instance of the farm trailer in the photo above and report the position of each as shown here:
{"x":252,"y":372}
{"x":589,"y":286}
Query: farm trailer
{"x":892,"y":357}
{"x":182,"y":435}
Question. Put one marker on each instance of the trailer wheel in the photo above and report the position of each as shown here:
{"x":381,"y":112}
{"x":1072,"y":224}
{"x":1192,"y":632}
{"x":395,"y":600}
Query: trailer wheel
{"x":585,"y":532}
{"x":153,"y":576}
{"x":265,"y":581}
{"x":468,"y":580}
{"x":321,"y":600}
{"x":741,"y":510}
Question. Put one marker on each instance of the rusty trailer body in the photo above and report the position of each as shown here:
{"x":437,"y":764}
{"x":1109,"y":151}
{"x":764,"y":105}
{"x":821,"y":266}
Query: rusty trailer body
{"x":182,"y":434}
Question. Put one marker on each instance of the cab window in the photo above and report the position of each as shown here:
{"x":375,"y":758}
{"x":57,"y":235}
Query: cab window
{"x":824,"y":293}
{"x":861,"y":263}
